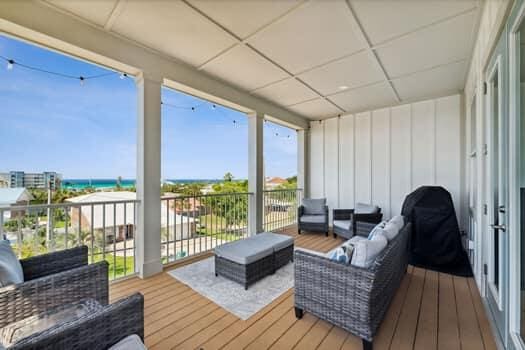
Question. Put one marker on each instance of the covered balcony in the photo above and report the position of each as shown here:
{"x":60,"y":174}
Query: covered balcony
{"x":385,"y":97}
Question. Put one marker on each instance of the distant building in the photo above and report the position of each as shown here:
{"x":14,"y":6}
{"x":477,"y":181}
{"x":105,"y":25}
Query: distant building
{"x":118,"y":220}
{"x":11,"y":197}
{"x":274,"y":182}
{"x":45,"y":180}
{"x":4,"y":180}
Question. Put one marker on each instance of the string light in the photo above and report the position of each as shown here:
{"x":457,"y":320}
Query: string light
{"x":11,"y":63}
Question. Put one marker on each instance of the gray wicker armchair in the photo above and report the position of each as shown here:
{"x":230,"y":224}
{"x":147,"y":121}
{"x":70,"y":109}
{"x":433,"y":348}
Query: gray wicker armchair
{"x":353,"y":298}
{"x":56,"y":279}
{"x":348,"y":223}
{"x":315,"y":221}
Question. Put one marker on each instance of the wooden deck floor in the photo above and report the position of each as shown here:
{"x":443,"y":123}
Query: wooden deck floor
{"x":430,"y":311}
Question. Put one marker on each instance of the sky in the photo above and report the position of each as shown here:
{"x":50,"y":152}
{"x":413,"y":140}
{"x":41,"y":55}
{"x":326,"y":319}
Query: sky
{"x":51,"y":123}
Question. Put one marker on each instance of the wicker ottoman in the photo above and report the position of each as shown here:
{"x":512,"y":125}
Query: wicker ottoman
{"x":249,"y":260}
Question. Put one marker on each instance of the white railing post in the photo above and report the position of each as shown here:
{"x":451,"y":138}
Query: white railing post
{"x":148,"y":248}
{"x":303,"y":160}
{"x":255,"y":173}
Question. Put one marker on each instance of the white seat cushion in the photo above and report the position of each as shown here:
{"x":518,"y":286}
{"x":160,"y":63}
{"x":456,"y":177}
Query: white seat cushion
{"x":10,"y":268}
{"x":343,"y":224}
{"x":312,"y":219}
{"x":245,"y":251}
{"x":131,"y":342}
{"x":363,"y":208}
{"x":366,"y":251}
{"x":274,"y":240}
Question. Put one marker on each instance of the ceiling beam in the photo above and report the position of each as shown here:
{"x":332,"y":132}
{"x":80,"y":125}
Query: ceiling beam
{"x":117,"y":10}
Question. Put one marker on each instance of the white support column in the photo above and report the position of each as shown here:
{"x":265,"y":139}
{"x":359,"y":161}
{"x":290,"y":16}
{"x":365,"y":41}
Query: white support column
{"x":303,"y":160}
{"x":148,"y":216}
{"x":255,"y":172}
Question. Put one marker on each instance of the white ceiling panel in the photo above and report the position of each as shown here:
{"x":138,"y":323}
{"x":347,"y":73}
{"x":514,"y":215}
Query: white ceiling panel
{"x":316,"y":109}
{"x":244,"y":68}
{"x":357,"y":70}
{"x":287,"y":92}
{"x":174,"y":28}
{"x":95,"y":11}
{"x":243,"y":17}
{"x":315,"y":33}
{"x":366,"y":98}
{"x":386,"y":19}
{"x":429,"y":47}
{"x":435,"y":82}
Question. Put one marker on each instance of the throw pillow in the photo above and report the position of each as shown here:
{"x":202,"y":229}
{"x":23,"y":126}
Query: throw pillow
{"x":378,"y":229}
{"x":363,"y":208}
{"x":391,"y":230}
{"x":343,"y":254}
{"x":314,"y":206}
{"x":10,"y":268}
{"x":366,"y":251}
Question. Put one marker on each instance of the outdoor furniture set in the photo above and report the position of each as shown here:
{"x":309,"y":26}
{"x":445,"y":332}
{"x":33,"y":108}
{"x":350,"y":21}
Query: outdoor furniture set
{"x":58,"y":301}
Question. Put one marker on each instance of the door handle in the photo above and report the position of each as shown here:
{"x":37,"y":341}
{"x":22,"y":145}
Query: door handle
{"x":499,"y":227}
{"x":502,"y":209}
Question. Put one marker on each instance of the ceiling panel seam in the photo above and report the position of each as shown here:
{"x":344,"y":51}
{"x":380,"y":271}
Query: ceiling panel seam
{"x":360,"y":28}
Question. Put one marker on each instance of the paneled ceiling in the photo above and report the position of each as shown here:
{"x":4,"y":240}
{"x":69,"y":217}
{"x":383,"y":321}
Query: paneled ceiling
{"x":318,"y":58}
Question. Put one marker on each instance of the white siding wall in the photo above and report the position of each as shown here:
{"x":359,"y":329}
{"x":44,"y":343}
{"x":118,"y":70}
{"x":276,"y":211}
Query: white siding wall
{"x":382,"y":155}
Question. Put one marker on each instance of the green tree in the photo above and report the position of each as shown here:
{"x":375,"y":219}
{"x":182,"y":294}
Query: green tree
{"x":228,"y":177}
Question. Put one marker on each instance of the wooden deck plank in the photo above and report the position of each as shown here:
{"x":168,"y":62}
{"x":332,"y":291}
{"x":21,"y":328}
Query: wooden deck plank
{"x":334,"y":340}
{"x":176,"y":316}
{"x":469,"y":331}
{"x":315,"y":336}
{"x":405,"y":333}
{"x":239,"y":326}
{"x":426,"y":335}
{"x":252,"y":332}
{"x":272,"y":334}
{"x":448,"y":329}
{"x":484,"y":325}
{"x":386,"y":331}
{"x":295,"y":333}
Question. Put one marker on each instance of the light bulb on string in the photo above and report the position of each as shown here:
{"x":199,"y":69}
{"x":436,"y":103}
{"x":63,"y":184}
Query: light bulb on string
{"x":123,"y":76}
{"x":82,"y":79}
{"x":193,"y":109}
{"x":10,"y":64}
{"x":213,"y":106}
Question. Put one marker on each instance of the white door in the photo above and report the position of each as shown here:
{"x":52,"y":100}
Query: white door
{"x":496,"y":175}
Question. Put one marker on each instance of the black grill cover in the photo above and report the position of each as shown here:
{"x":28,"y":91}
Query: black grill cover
{"x":436,"y":239}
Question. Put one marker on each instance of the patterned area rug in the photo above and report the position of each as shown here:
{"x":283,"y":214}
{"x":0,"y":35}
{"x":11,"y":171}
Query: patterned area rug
{"x":200,"y":277}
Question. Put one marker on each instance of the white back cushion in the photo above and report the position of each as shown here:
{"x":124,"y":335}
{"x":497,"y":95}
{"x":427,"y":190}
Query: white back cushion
{"x":398,"y":220}
{"x":366,"y":251}
{"x":10,"y":268}
{"x":391,"y":230}
{"x":363,"y":208}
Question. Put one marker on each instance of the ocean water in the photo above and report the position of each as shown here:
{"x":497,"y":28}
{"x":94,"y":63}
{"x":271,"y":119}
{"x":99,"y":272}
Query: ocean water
{"x":80,"y":184}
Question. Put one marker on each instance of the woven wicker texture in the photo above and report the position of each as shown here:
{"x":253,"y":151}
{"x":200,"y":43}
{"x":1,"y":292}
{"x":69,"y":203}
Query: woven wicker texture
{"x":350,"y":297}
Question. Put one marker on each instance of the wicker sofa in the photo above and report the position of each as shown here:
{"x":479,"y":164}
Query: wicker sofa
{"x":353,"y":298}
{"x":57,"y":279}
{"x":351,"y":222}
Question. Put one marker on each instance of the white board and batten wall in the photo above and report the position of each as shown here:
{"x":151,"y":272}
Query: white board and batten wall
{"x":382,"y":155}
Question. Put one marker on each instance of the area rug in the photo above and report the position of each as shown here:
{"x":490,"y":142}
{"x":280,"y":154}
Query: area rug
{"x":200,"y":277}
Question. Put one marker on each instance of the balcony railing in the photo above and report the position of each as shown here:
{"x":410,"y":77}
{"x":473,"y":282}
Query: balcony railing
{"x":107,"y":228}
{"x":280,"y":208}
{"x":197,"y":224}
